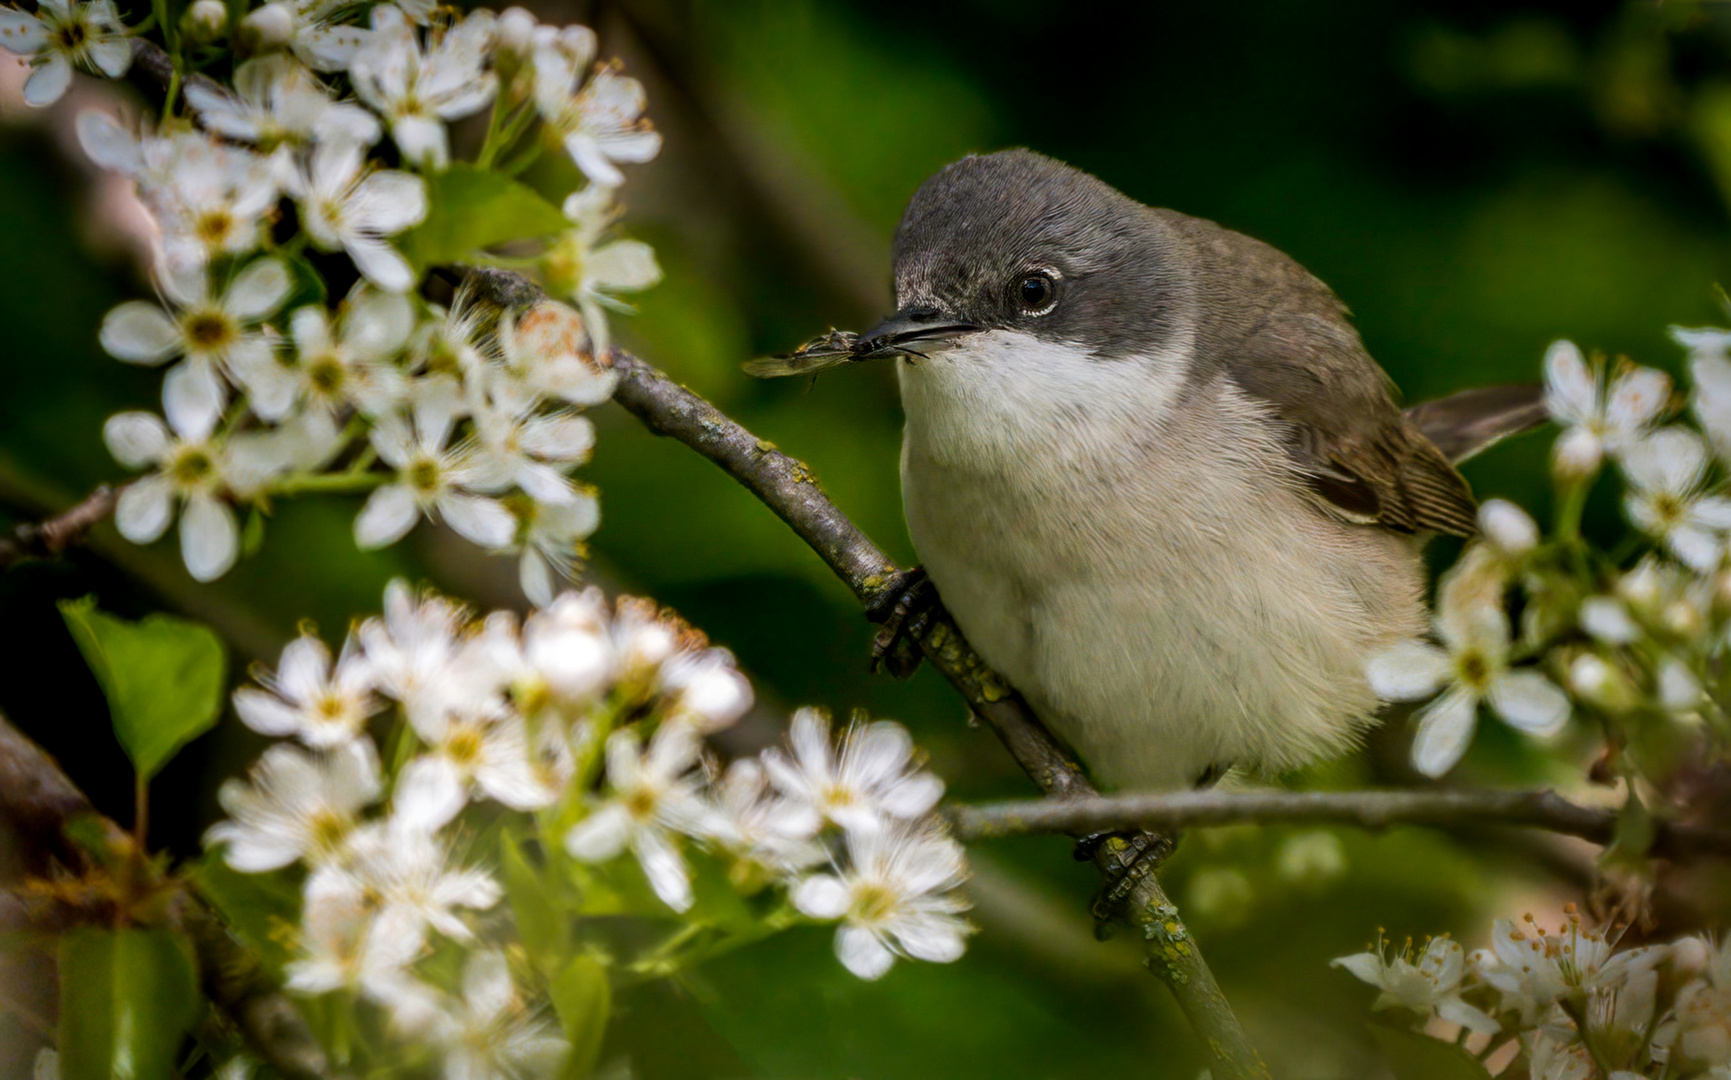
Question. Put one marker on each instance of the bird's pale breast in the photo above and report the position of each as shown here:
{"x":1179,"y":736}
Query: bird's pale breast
{"x":1133,"y":556}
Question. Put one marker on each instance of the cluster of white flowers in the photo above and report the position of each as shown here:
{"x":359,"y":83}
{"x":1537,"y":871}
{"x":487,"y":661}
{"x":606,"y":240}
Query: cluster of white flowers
{"x":1569,"y":1004}
{"x":467,"y":415}
{"x":548,"y":718}
{"x":1631,"y":640}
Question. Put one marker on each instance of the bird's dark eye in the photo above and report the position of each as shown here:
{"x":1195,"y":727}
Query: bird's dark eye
{"x":1036,"y":293}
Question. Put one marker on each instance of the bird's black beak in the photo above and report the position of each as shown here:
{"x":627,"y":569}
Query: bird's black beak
{"x":903,"y":334}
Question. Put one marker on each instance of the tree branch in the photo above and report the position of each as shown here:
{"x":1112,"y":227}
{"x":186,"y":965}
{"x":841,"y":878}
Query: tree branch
{"x":1367,"y":809}
{"x":41,"y":800}
{"x":51,"y":537}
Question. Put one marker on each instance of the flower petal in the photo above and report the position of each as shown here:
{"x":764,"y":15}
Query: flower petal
{"x":390,"y":513}
{"x":1529,"y":701}
{"x":209,"y":538}
{"x":1409,"y":671}
{"x":429,"y":794}
{"x":48,"y":83}
{"x":1571,"y":391}
{"x":258,"y":291}
{"x":136,"y":439}
{"x":1445,"y":729}
{"x":821,"y":896}
{"x":140,"y":333}
{"x":863,"y":953}
{"x":600,"y":836}
{"x":483,"y":521}
{"x":145,"y":509}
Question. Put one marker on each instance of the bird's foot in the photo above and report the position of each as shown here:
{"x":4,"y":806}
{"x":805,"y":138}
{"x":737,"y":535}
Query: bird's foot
{"x":1126,"y":858}
{"x":905,"y":608}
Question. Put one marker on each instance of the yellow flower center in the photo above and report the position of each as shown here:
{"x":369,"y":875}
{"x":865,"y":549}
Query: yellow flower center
{"x":208,"y":331}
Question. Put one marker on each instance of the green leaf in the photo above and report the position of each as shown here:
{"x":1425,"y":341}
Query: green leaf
{"x":541,"y":924}
{"x":471,"y":209}
{"x":163,"y":678}
{"x":1413,"y":1055}
{"x":127,"y":998}
{"x":261,"y":909}
{"x":584,"y":1001}
{"x":252,"y":534}
{"x":307,"y":286}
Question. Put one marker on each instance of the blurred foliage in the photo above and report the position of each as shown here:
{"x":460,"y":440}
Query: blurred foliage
{"x":1473,"y":178}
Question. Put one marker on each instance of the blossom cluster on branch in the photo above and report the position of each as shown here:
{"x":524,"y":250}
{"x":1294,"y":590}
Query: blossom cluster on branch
{"x":1627,"y":638}
{"x":1566,"y":1004}
{"x":328,"y":165}
{"x":573,"y":740}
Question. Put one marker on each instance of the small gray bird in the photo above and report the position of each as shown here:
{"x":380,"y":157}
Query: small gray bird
{"x":1154,"y":475}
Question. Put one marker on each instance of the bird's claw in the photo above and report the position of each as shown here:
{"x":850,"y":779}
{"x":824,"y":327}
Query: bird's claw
{"x":1126,"y":858}
{"x":905,"y":608}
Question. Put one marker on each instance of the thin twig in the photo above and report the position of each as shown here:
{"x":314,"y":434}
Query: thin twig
{"x":49,"y":538}
{"x":40,"y":800}
{"x":1366,"y":809}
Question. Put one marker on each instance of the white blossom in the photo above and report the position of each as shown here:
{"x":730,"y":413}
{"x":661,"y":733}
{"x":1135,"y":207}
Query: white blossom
{"x":1666,"y":473}
{"x":487,"y":752}
{"x":519,"y":445}
{"x":704,"y":689}
{"x":1472,"y":667}
{"x":753,"y":822}
{"x":863,"y":785}
{"x":1597,"y":420}
{"x":1532,"y":969}
{"x":300,"y":806}
{"x":416,"y":90}
{"x":276,"y":100}
{"x":601,"y":123}
{"x":308,"y":699}
{"x":549,"y":350}
{"x":432,"y":478}
{"x":190,"y":470}
{"x":490,"y":1034}
{"x":591,"y":272}
{"x":653,"y":798}
{"x":416,"y":657}
{"x":307,"y":27}
{"x":217,"y":201}
{"x":62,"y":35}
{"x":349,"y":363}
{"x":552,"y":536}
{"x":347,"y":942}
{"x":1430,"y":987}
{"x":414,"y":877}
{"x":343,"y":205}
{"x":214,"y":330}
{"x":896,"y":897}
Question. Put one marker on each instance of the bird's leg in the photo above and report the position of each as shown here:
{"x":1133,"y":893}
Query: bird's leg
{"x":1126,"y":857}
{"x":905,"y":609}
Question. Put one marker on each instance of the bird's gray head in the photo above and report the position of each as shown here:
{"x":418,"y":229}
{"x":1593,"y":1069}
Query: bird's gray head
{"x":1018,"y":242}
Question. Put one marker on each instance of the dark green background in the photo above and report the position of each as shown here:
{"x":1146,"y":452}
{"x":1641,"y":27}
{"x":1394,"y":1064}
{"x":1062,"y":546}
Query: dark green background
{"x":1474,"y":180}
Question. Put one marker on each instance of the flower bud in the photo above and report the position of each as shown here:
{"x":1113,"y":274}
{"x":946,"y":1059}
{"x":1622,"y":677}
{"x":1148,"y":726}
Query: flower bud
{"x":1689,"y":956}
{"x":1605,"y":618}
{"x":516,"y":32}
{"x":205,"y":20}
{"x":1683,"y":617}
{"x":1679,"y":689}
{"x":1598,"y":682}
{"x":1508,"y":527}
{"x":270,"y":27}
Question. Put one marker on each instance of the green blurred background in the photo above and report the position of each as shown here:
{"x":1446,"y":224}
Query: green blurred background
{"x":1474,"y":180}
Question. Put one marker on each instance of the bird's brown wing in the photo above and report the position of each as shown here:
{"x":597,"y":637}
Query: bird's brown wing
{"x":1465,"y":423}
{"x":1351,"y":444}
